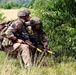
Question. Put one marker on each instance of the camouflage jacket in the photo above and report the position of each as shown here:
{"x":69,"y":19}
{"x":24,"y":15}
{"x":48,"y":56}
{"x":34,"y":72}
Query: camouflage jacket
{"x":16,"y":26}
{"x":39,"y":37}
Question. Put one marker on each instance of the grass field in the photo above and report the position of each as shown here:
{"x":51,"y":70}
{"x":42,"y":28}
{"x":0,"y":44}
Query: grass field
{"x":12,"y":67}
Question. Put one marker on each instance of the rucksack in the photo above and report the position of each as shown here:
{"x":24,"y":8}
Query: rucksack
{"x":3,"y":27}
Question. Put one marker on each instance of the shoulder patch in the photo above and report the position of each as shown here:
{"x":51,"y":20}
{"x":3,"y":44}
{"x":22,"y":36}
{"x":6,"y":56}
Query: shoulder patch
{"x":13,"y":25}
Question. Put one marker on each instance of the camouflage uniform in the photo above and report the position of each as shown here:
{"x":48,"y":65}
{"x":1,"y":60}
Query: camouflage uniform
{"x":38,"y":36}
{"x":13,"y":47}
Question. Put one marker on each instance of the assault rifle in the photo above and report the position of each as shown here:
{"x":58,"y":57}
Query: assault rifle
{"x":42,"y":52}
{"x":25,"y":37}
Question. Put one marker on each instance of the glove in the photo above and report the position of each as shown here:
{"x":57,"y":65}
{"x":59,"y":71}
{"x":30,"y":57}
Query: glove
{"x":45,"y":45}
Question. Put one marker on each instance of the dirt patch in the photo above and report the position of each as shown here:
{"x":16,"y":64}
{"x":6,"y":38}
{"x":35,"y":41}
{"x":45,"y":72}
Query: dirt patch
{"x":10,"y":13}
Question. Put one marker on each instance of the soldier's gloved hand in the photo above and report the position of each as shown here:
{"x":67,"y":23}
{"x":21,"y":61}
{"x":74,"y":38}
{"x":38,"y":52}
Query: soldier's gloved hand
{"x":20,"y":41}
{"x":45,"y":45}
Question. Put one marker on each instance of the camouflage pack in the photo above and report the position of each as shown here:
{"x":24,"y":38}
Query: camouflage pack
{"x":3,"y":28}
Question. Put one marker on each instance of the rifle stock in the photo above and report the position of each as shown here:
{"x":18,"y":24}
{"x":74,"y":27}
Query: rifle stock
{"x":25,"y":37}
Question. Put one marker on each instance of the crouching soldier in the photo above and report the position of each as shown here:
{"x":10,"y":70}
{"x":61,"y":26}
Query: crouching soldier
{"x":15,"y":45}
{"x":38,"y":36}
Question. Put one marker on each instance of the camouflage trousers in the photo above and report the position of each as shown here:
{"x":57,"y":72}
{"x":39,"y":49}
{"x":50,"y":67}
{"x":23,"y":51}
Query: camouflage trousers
{"x":24,"y":51}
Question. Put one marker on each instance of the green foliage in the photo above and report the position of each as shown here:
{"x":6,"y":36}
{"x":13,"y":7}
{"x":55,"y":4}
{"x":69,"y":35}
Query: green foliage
{"x":30,"y":5}
{"x":59,"y":21}
{"x":7,"y":5}
{"x":15,"y":1}
{"x":10,"y":5}
{"x":1,"y":17}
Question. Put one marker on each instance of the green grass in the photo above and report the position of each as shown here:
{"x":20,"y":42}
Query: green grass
{"x":12,"y":67}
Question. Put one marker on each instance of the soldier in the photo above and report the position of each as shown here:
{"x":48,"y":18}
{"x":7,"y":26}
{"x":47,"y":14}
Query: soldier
{"x":14,"y":45}
{"x":38,"y":36}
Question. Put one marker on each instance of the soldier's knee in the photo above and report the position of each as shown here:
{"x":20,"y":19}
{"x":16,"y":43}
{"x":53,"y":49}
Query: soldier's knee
{"x":16,"y":45}
{"x":25,"y":46}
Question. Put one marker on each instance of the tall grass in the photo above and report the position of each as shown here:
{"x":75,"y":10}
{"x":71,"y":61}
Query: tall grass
{"x":12,"y":67}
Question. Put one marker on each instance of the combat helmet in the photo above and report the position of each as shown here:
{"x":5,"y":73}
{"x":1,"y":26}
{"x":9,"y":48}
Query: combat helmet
{"x":23,"y":12}
{"x":35,"y":21}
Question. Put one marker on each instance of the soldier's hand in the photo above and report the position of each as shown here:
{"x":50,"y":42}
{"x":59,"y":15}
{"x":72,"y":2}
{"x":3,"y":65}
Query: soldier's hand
{"x":20,"y":41}
{"x":45,"y":45}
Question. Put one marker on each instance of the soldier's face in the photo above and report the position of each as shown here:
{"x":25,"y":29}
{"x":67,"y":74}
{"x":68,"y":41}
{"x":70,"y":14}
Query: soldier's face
{"x":27,"y":17}
{"x":37,"y":27}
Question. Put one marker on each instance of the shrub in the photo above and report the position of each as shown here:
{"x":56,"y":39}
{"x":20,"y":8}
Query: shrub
{"x":2,"y":17}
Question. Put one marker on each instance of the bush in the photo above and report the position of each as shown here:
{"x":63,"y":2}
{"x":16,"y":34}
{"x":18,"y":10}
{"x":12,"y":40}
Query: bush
{"x":60,"y":24}
{"x":2,"y":17}
{"x":7,"y":5}
{"x":10,"y":5}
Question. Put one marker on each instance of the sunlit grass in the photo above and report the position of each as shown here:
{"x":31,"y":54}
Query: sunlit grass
{"x":12,"y":67}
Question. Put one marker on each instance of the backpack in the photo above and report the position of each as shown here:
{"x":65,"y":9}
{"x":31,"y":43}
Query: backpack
{"x":3,"y":28}
{"x":5,"y":25}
